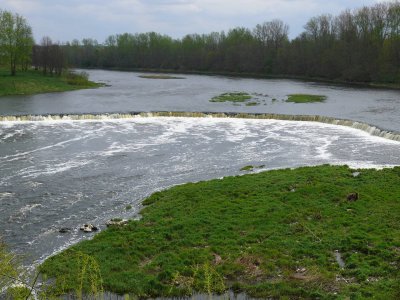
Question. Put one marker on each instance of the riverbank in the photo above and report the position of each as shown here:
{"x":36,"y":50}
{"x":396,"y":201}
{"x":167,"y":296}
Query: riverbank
{"x":311,"y":232}
{"x":374,"y":85}
{"x":34,"y":82}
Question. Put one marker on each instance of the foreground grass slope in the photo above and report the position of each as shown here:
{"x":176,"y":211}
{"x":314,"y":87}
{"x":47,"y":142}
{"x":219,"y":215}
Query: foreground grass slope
{"x":272,"y":234}
{"x":33,"y":82}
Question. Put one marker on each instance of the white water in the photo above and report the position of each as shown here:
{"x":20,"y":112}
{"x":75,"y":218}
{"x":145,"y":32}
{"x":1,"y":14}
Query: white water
{"x":372,"y":130}
{"x":59,"y":172}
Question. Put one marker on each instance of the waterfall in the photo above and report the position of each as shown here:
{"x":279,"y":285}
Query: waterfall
{"x":372,"y":130}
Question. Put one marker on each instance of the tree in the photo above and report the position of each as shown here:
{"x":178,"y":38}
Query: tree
{"x":16,"y":40}
{"x":49,"y":57}
{"x":272,"y":34}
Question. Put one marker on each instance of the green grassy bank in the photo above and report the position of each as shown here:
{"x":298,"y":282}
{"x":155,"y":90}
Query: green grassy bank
{"x":34,"y":82}
{"x":283,"y":233}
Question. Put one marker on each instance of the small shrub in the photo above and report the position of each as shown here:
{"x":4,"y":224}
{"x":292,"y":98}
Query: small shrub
{"x":81,"y":78}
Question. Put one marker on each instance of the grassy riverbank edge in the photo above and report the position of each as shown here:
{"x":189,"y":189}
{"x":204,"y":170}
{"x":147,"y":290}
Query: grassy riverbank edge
{"x":34,"y":82}
{"x":272,"y":234}
{"x":372,"y":85}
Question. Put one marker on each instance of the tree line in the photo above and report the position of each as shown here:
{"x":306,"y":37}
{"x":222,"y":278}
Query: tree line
{"x":361,"y":45}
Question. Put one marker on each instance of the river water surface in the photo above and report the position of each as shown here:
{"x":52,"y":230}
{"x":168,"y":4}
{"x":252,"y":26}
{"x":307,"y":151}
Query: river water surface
{"x":56,"y":174}
{"x":128,"y":92}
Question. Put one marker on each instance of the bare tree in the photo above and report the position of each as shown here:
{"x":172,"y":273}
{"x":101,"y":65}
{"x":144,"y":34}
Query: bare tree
{"x":272,"y":34}
{"x":45,"y":53}
{"x":48,"y":57}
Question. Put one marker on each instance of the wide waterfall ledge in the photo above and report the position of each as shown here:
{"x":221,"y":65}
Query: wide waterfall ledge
{"x":372,"y":130}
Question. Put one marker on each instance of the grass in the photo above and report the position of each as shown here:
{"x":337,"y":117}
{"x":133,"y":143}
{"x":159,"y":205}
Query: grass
{"x":252,"y":103}
{"x":34,"y":82}
{"x":251,"y":168}
{"x":247,"y":168}
{"x":160,"y":77}
{"x":232,"y":97}
{"x":271,"y":235}
{"x":304,"y":98}
{"x":116,"y":219}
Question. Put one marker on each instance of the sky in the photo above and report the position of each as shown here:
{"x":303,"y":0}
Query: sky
{"x":65,"y":20}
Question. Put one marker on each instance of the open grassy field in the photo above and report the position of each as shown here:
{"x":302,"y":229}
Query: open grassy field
{"x":33,"y":82}
{"x":314,"y":232}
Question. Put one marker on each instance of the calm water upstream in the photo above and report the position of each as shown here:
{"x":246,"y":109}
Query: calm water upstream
{"x":56,"y":174}
{"x":128,"y":92}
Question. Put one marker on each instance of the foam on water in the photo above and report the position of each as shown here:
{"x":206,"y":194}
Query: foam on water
{"x":373,"y":130}
{"x":64,"y":173}
{"x":51,"y":169}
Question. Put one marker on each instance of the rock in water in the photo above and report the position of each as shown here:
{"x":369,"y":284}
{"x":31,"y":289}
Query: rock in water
{"x":88,"y":228}
{"x":64,"y":230}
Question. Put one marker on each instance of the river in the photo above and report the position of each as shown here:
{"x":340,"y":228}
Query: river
{"x":64,"y":173}
{"x":128,"y":92}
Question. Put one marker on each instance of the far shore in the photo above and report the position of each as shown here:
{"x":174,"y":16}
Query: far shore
{"x":373,"y":85}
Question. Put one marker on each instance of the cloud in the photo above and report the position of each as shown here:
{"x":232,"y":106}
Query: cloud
{"x":65,"y":20}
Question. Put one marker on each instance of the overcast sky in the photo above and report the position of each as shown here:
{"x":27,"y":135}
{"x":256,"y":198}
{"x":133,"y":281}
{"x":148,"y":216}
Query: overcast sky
{"x":64,"y":20}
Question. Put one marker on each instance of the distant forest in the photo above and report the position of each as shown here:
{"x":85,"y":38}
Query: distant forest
{"x":355,"y":46}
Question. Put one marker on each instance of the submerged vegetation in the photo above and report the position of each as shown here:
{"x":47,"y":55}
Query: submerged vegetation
{"x":34,"y":82}
{"x":305,"y":98}
{"x":160,"y":77}
{"x":247,"y":168}
{"x":251,"y":168}
{"x":255,"y":99}
{"x":283,"y":233}
{"x":253,"y":103}
{"x":232,"y":97}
